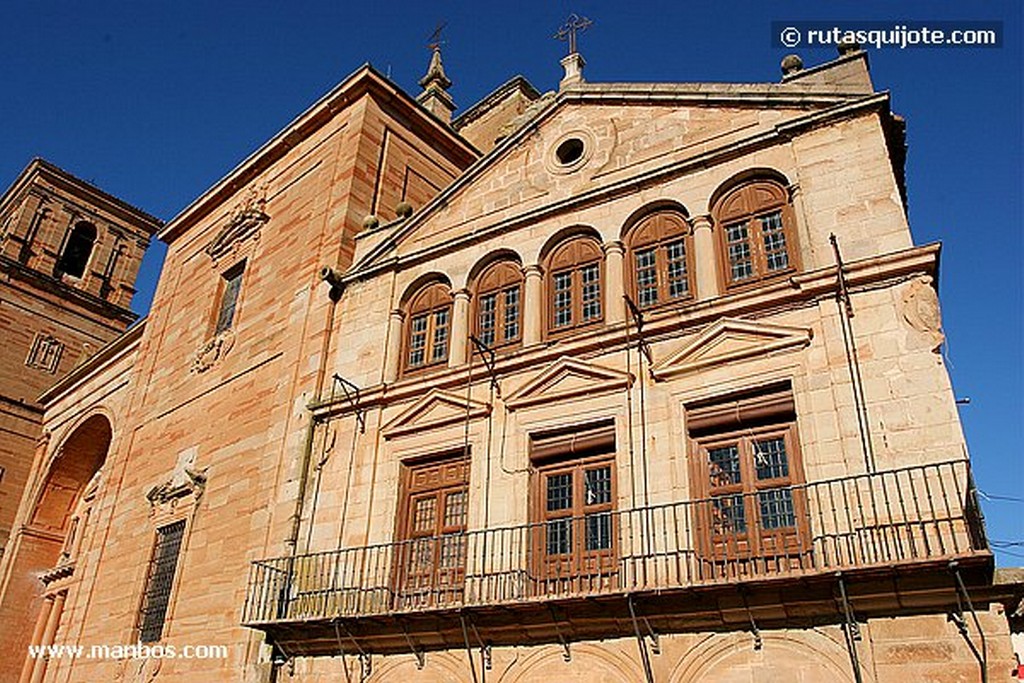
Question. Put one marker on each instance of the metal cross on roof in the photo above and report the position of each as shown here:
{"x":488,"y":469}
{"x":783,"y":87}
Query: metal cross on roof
{"x":435,"y":41}
{"x":573,"y":25}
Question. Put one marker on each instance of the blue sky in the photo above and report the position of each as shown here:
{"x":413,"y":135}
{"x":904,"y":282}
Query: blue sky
{"x":154,"y":101}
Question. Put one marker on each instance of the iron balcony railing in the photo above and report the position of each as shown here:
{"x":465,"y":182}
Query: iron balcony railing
{"x":901,"y":516}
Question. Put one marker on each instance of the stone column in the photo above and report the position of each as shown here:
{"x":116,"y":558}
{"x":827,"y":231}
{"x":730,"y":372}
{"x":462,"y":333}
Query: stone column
{"x":37,"y":638}
{"x":393,"y":352}
{"x":533,"y":306}
{"x":796,"y":199}
{"x":49,"y":634}
{"x":614,"y":289}
{"x":459,"y":340}
{"x":705,"y":257}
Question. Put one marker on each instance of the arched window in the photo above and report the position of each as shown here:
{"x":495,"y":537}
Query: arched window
{"x":575,"y":275}
{"x":757,"y":233}
{"x":428,"y":326}
{"x":499,"y":305}
{"x":77,"y":249}
{"x":660,"y":257}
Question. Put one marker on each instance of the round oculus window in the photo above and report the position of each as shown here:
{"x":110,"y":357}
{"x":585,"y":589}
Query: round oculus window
{"x":569,"y":152}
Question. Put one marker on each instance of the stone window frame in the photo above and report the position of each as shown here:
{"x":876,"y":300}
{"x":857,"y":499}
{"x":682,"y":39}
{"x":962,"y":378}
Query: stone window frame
{"x":574,"y":257}
{"x":500,"y":280}
{"x":81,"y":238}
{"x":658,"y":230}
{"x":229,"y":297}
{"x":746,"y":204}
{"x":432,"y":303}
{"x":143,"y":628}
{"x":45,"y":353}
{"x":744,"y":420}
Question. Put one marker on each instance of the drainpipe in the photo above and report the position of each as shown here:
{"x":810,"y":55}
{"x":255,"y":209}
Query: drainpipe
{"x":330,"y":276}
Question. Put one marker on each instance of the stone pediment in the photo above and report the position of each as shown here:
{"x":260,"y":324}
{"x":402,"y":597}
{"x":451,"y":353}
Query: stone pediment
{"x":524,"y":177}
{"x":729,"y":340}
{"x":568,"y":378}
{"x":436,"y":409}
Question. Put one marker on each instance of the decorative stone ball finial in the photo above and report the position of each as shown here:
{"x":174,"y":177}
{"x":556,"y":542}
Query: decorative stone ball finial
{"x":848,"y":47}
{"x":403,"y":209}
{"x":371,"y":222}
{"x":792,"y":64}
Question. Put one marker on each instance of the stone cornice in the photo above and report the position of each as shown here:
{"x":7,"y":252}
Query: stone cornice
{"x":494,"y":97}
{"x":365,"y":80}
{"x":87,"y":301}
{"x":40,"y":168}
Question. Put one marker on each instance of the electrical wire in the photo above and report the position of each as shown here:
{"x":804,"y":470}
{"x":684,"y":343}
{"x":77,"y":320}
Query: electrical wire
{"x":1008,"y":499}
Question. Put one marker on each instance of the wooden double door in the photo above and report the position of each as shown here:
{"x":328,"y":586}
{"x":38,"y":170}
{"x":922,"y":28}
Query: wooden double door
{"x":431,"y":553}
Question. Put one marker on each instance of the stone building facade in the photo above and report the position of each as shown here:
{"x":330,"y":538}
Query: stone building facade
{"x":69,"y":254}
{"x":627,"y":382}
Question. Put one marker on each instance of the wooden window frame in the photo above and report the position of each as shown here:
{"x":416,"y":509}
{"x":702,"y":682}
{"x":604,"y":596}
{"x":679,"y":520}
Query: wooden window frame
{"x":430,"y":301}
{"x":755,"y":541}
{"x":658,"y":230}
{"x":746,"y":205}
{"x":417,"y":483}
{"x":572,"y":257}
{"x":498,"y":280}
{"x":574,"y":453}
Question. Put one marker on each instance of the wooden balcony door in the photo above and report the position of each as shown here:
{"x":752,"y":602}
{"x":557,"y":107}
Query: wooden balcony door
{"x":432,"y":529}
{"x":755,"y":513}
{"x":575,"y":543}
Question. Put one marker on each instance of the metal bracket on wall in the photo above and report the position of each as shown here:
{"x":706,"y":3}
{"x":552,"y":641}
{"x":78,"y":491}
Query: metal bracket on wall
{"x":421,"y":657}
{"x":365,"y":666}
{"x":758,"y":642}
{"x":365,"y":660}
{"x":851,"y":630}
{"x":567,"y":653}
{"x":469,"y":652}
{"x":485,"y":648}
{"x":341,"y":652}
{"x":351,"y":393}
{"x":645,"y":657}
{"x":489,"y":358}
{"x":964,"y":598}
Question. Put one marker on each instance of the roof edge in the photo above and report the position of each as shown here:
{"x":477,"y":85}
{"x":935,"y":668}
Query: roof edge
{"x":839,"y":104}
{"x":359,"y":82}
{"x":493,"y":97}
{"x":40,"y":166}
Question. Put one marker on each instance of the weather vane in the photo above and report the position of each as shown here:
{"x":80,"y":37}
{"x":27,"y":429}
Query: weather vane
{"x":435,"y":41}
{"x":573,"y":25}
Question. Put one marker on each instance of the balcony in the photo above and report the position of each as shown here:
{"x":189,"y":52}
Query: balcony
{"x":888,"y":536}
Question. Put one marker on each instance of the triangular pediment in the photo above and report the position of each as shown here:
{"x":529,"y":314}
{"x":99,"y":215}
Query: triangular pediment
{"x":524,"y":177}
{"x":730,"y":340}
{"x":436,"y":409}
{"x":568,"y":378}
